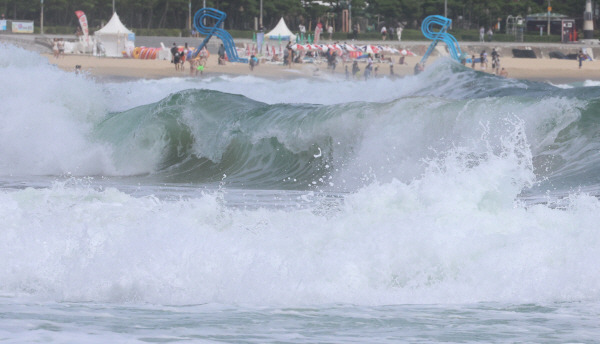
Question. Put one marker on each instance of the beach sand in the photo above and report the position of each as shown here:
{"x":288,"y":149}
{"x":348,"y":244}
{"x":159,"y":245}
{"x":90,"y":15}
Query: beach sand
{"x":550,"y":70}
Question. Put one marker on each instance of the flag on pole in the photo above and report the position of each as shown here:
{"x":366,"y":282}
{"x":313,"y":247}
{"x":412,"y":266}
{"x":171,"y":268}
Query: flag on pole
{"x":84,"y":24}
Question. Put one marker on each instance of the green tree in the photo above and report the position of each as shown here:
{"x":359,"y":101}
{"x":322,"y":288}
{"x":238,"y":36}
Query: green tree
{"x":241,"y":13}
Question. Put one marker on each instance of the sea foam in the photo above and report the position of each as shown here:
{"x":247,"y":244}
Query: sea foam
{"x":431,"y":211}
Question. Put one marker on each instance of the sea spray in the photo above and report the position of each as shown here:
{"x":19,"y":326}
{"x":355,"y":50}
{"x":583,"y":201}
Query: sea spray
{"x":46,"y":118}
{"x":244,"y":210}
{"x":457,"y":234}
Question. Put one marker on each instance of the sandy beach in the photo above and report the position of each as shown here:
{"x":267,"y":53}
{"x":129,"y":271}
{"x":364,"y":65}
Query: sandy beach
{"x":540,"y":69}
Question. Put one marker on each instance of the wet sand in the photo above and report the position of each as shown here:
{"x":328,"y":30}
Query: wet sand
{"x":549,"y":70}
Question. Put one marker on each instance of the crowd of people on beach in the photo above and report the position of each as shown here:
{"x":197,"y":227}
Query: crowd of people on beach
{"x":332,"y":57}
{"x":197,"y":62}
{"x":483,"y":61}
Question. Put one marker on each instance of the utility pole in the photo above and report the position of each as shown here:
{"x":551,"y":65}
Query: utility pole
{"x":113,"y":6}
{"x":446,"y":8}
{"x":190,"y":15}
{"x":260,"y":24}
{"x":350,"y":16}
{"x":42,"y":18}
{"x":549,"y":10}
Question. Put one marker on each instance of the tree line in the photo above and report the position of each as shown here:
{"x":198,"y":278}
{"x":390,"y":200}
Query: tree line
{"x":241,"y":14}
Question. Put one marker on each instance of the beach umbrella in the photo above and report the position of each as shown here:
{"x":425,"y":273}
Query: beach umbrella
{"x":349,"y":48}
{"x":390,"y":50}
{"x":297,"y":46}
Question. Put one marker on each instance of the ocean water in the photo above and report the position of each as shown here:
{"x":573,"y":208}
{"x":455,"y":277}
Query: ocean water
{"x":453,"y":206}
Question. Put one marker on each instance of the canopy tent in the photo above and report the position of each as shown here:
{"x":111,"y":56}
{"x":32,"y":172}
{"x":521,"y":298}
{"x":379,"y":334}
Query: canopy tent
{"x":115,"y":37}
{"x":282,"y":32}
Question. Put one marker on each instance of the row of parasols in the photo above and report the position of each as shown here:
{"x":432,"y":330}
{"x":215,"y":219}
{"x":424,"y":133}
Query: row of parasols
{"x":341,"y":48}
{"x":353,"y":50}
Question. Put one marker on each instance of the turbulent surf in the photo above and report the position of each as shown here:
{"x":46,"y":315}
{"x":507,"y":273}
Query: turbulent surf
{"x":454,"y":187}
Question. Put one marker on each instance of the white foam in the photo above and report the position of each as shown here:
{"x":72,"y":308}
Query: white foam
{"x":454,"y":235}
{"x":442,"y":227}
{"x":46,"y":117}
{"x":591,"y":83}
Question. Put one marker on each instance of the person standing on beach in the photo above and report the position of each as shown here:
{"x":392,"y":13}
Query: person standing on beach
{"x":369,"y":67}
{"x":288,"y":56}
{"x":481,"y":34}
{"x":221,"y":54}
{"x":495,"y":61}
{"x":383,"y":33}
{"x":184,"y":55}
{"x":253,"y":62}
{"x":483,"y":59}
{"x":354,"y":32}
{"x":192,"y":62}
{"x":490,"y":34}
{"x":332,"y":59}
{"x":318,"y":30}
{"x":355,"y":69}
{"x":55,"y":47}
{"x":175,"y":56}
{"x":302,"y":29}
{"x":580,"y":57}
{"x":399,"y":32}
{"x":61,"y":47}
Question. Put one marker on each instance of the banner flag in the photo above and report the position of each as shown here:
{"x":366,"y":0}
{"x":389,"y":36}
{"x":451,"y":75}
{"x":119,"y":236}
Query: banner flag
{"x":84,"y":24}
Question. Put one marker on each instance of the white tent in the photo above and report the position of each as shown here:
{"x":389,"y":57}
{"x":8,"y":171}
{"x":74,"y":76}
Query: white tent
{"x":281,"y":31}
{"x":115,"y":38}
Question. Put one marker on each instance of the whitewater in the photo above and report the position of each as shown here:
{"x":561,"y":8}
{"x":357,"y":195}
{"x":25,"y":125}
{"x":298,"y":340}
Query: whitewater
{"x":453,"y":206}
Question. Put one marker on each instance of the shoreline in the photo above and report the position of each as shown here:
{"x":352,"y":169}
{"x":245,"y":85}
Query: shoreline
{"x":539,"y":70}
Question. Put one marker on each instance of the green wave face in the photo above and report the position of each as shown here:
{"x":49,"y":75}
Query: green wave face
{"x":200,"y":136}
{"x":205,"y":136}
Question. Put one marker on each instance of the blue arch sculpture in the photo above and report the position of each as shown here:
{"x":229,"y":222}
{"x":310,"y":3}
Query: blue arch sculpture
{"x":443,"y":24}
{"x":209,"y":31}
